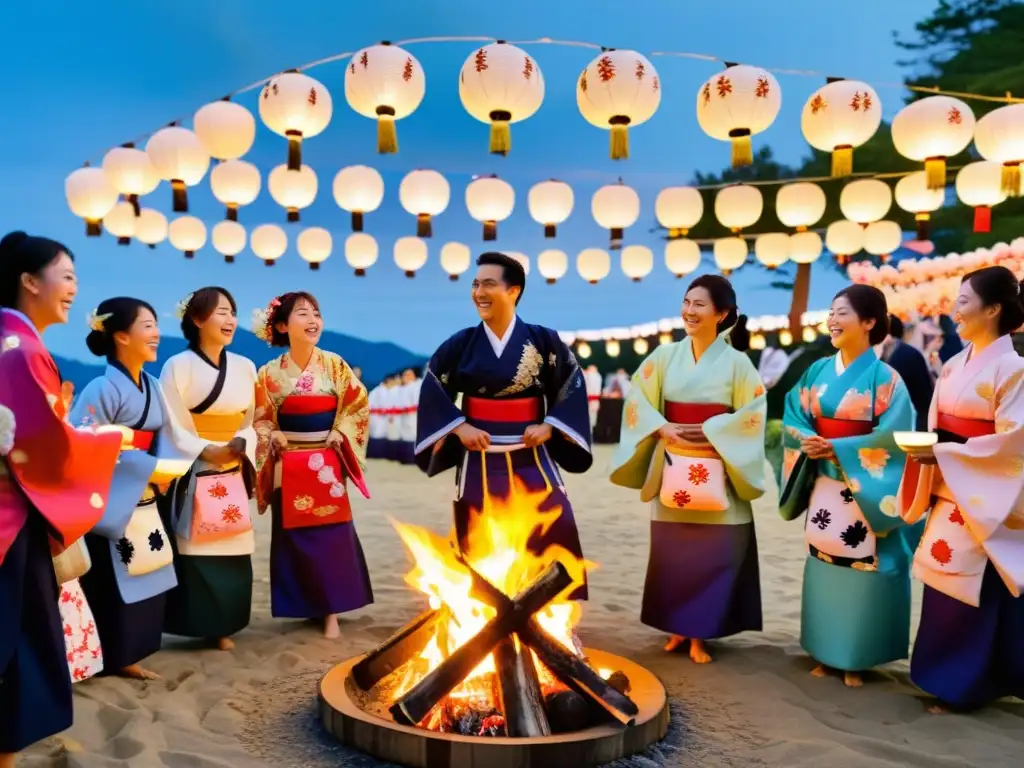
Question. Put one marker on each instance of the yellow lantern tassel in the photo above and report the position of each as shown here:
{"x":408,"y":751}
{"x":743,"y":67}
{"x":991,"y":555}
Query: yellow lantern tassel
{"x":742,"y":149}
{"x":387,"y":134}
{"x":1010,"y":179}
{"x":501,"y":133}
{"x":842,"y":161}
{"x":619,"y":139}
{"x":935,"y":172}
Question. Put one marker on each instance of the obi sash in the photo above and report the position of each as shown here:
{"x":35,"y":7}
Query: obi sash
{"x":218,"y":427}
{"x":142,"y":440}
{"x":834,"y":429}
{"x":307,"y":418}
{"x":954,"y":429}
{"x":504,"y":420}
{"x":693,"y":413}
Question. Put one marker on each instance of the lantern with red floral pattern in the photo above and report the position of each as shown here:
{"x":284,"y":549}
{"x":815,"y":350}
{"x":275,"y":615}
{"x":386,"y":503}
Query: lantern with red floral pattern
{"x":618,"y":90}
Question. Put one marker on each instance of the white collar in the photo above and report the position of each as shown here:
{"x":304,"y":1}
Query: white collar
{"x":498,"y":345}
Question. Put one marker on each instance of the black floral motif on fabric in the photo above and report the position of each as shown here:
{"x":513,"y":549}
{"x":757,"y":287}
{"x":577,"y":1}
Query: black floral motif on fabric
{"x":847,"y":495}
{"x":855,"y":534}
{"x":156,"y":541}
{"x":821,"y":519}
{"x":125,"y":549}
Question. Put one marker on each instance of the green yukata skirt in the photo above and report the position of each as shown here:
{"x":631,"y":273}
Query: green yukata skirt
{"x":213,"y":598}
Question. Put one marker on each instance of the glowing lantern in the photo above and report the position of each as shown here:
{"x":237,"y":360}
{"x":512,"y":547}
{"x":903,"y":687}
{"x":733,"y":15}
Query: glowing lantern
{"x":617,"y":90}
{"x":736,"y":104}
{"x":682,"y":256}
{"x":665,"y":338}
{"x":640,"y":346}
{"x":424,"y":194}
{"x":809,"y":334}
{"x":235,"y":183}
{"x":268,"y":242}
{"x":805,"y":247}
{"x":410,"y":254}
{"x":772,"y":249}
{"x":785,"y":338}
{"x":501,"y":84}
{"x":612,"y":348}
{"x":227,"y":130}
{"x":360,"y":252}
{"x":615,"y":207}
{"x":593,"y":264}
{"x":583,"y":350}
{"x":999,"y":137}
{"x":882,"y":238}
{"x":297,"y":107}
{"x":131,"y":173}
{"x":758,"y":341}
{"x":314,"y":245}
{"x":838,"y":118}
{"x":913,"y":196}
{"x":930,"y":130}
{"x":550,"y":203}
{"x":552,"y":264}
{"x":678,"y":209}
{"x":730,"y":254}
{"x":865,"y":200}
{"x":637,"y":262}
{"x":455,"y":259}
{"x":292,"y":190}
{"x":120,"y":222}
{"x":490,"y":200}
{"x":385,"y":83}
{"x":738,"y":206}
{"x":358,"y":189}
{"x":90,"y":196}
{"x":844,"y":238}
{"x":979,"y":185}
{"x":187,"y":234}
{"x":179,"y":157}
{"x":522,"y":258}
{"x":800,"y":205}
{"x":228,"y":239}
{"x":150,"y":227}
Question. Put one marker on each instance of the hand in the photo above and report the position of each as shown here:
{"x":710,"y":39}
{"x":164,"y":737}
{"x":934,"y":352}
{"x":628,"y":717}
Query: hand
{"x":536,"y":434}
{"x":815,"y":447}
{"x":278,"y":442}
{"x":922,"y":454}
{"x":334,"y":440}
{"x":217,"y":454}
{"x":472,"y":438}
{"x":693,"y":433}
{"x":672,"y":434}
{"x":127,"y":435}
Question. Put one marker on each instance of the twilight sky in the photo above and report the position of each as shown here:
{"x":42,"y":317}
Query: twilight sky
{"x":83,"y":77}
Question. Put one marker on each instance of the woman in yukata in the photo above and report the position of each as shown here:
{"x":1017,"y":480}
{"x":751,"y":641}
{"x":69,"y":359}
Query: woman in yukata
{"x":841,"y":465}
{"x":312,"y":416}
{"x":693,"y":444}
{"x":968,"y":650}
{"x":132,"y":562}
{"x":54,"y":482}
{"x":210,"y":393}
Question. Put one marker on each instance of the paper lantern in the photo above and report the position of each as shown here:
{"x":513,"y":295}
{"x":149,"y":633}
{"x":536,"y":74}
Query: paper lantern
{"x":187,"y":234}
{"x":640,"y":346}
{"x":226,"y":129}
{"x":385,"y":83}
{"x":758,"y":341}
{"x":679,"y":209}
{"x":664,"y":338}
{"x":800,"y":205}
{"x":120,"y":222}
{"x":358,"y":189}
{"x":930,"y":130}
{"x":637,"y":262}
{"x":490,"y":200}
{"x":785,"y":337}
{"x":865,"y":200}
{"x":805,"y":247}
{"x":297,"y":107}
{"x":882,"y":238}
{"x":682,"y":256}
{"x":150,"y":227}
{"x":838,"y":118}
{"x":618,"y":90}
{"x":228,"y":239}
{"x":979,"y":185}
{"x":522,"y":258}
{"x":292,"y":190}
{"x":90,"y":196}
{"x":913,"y":196}
{"x":730,"y":254}
{"x":738,"y":206}
{"x":424,"y":194}
{"x":455,"y":259}
{"x":999,"y":137}
{"x":593,"y":264}
{"x":131,"y":173}
{"x":410,"y":254}
{"x":612,"y":348}
{"x":615,"y":207}
{"x":809,"y":334}
{"x":314,"y":245}
{"x":844,"y":238}
{"x":268,"y":242}
{"x":552,"y":265}
{"x":772,"y":249}
{"x":736,"y":104}
{"x":550,"y":203}
{"x":235,"y":183}
{"x":583,"y":350}
{"x":179,"y":157}
{"x":501,"y":84}
{"x":360,"y":252}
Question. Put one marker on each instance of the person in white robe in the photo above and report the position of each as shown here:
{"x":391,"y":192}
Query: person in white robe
{"x":592,"y":378}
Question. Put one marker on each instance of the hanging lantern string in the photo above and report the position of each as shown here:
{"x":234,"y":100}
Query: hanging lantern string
{"x":818,"y":179}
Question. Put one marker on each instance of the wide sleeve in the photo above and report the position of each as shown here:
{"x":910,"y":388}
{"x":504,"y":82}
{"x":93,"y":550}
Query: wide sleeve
{"x":175,"y":378}
{"x":352,"y":421}
{"x":914,"y":496}
{"x":265,"y":424}
{"x":641,"y":420}
{"x":568,"y":410}
{"x":437,"y":417}
{"x":798,"y":471}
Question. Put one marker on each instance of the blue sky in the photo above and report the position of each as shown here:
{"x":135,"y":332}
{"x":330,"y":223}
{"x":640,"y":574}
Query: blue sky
{"x":83,"y":77}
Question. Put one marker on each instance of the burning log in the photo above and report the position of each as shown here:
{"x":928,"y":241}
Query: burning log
{"x":396,"y":650}
{"x":519,"y":691}
{"x":568,"y":710}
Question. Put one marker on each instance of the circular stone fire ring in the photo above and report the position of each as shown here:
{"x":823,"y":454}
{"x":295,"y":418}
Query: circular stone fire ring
{"x":420,"y":748}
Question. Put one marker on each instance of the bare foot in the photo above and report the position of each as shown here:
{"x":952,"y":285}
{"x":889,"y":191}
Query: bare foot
{"x":331,"y":629}
{"x":820,"y":671}
{"x":137,"y":672}
{"x":674,"y":642}
{"x":225,"y":644}
{"x":699,"y":652}
{"x":7,"y":760}
{"x":853,"y":679}
{"x":934,"y":709}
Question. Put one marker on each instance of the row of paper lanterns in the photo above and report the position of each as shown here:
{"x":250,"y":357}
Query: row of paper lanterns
{"x":951,"y":265}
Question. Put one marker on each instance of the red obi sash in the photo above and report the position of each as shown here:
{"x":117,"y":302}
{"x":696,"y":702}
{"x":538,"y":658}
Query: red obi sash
{"x":693,"y":413}
{"x":313,"y":489}
{"x":507,"y":411}
{"x":142,"y":441}
{"x":304,"y":405}
{"x":592,"y":398}
{"x":833,"y":429}
{"x":966,"y":428}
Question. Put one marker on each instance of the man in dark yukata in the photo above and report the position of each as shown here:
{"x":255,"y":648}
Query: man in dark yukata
{"x":910,"y":364}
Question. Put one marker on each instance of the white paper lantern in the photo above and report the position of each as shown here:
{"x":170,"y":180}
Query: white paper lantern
{"x":385,"y":83}
{"x":268,"y":242}
{"x":772,"y":249}
{"x":999,"y":137}
{"x":226,"y":129}
{"x":552,"y":265}
{"x":90,"y":196}
{"x":844,"y":238}
{"x":292,"y":190}
{"x":501,"y":84}
{"x":612,"y":348}
{"x":800,"y":205}
{"x":979,"y":185}
{"x":738,"y":206}
{"x":297,"y":107}
{"x":120,"y":222}
{"x":410,"y":254}
{"x":593,"y":264}
{"x":682,"y":256}
{"x":913,"y":196}
{"x":640,"y":346}
{"x":736,"y":104}
{"x":179,"y":157}
{"x":679,"y":209}
{"x":882,"y":238}
{"x":865,"y":200}
{"x":618,"y":90}
{"x":235,"y":183}
{"x":490,"y":200}
{"x":838,"y":118}
{"x":314,"y":245}
{"x":358,"y":189}
{"x":930,"y":130}
{"x":522,"y":258}
{"x":228,"y":239}
{"x":150,"y":227}
{"x":615,"y":207}
{"x":187,"y":234}
{"x":550,"y":203}
{"x":131,"y":173}
{"x":730,"y":254}
{"x":424,"y":194}
{"x":805,"y":247}
{"x":360,"y":252}
{"x":455,"y":259}
{"x":637,"y":262}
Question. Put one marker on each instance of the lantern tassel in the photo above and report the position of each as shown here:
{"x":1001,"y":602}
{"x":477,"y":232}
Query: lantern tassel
{"x":549,"y":230}
{"x":314,"y":265}
{"x":453,"y":278}
{"x":501,"y":133}
{"x":1010,"y":179}
{"x":551,"y":281}
{"x":357,"y":221}
{"x":387,"y":134}
{"x":982,"y":219}
{"x":410,"y":273}
{"x":294,"y":150}
{"x":842,"y":161}
{"x":229,"y":259}
{"x":742,"y":148}
{"x":93,"y":228}
{"x":190,"y":254}
{"x":179,"y":195}
{"x":922,"y":225}
{"x":423,"y":228}
{"x":124,"y":241}
{"x":619,"y":141}
{"x":269,"y":262}
{"x":935,"y":172}
{"x":232,"y":212}
{"x":293,"y":214}
{"x":490,"y":230}
{"x":134,"y":200}
{"x":360,"y":272}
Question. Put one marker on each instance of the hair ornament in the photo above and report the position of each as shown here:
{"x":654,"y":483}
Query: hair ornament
{"x":262,"y":320}
{"x":182,"y":306}
{"x":96,"y":320}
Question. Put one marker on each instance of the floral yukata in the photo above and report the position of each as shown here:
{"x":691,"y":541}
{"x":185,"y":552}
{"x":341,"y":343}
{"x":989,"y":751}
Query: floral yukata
{"x":855,"y":610}
{"x":702,"y":577}
{"x":969,"y":649}
{"x":317,"y":567}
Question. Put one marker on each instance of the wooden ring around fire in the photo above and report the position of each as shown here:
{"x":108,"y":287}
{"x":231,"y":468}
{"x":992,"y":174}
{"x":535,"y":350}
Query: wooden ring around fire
{"x":415,"y":747}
